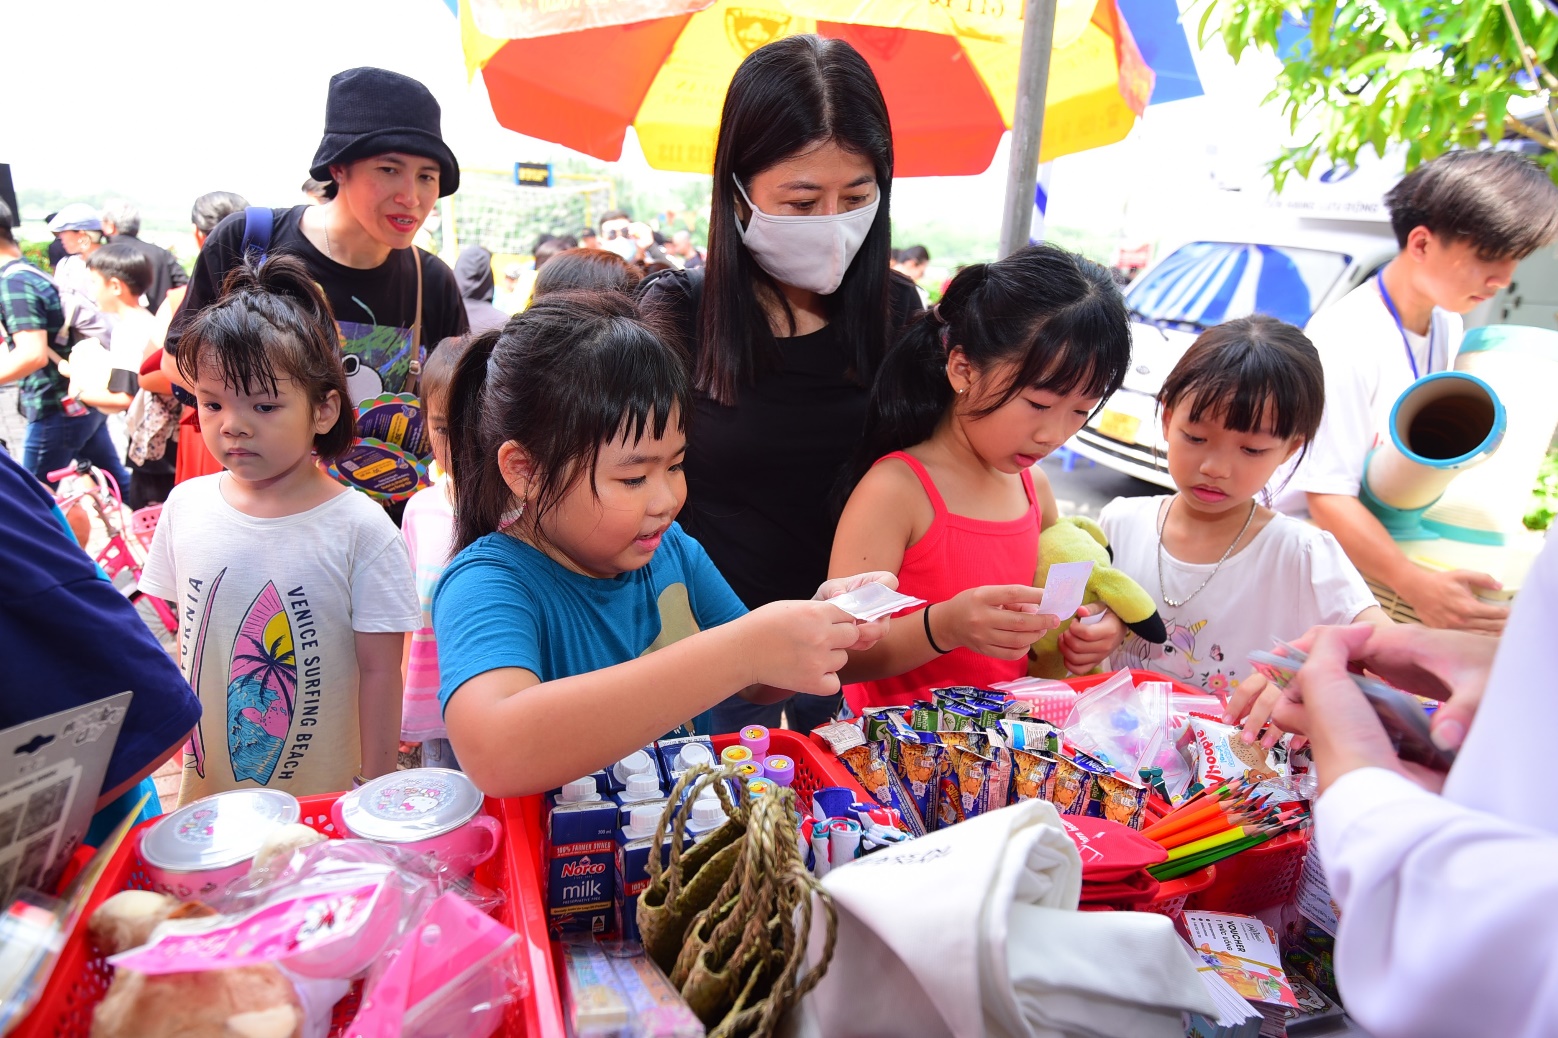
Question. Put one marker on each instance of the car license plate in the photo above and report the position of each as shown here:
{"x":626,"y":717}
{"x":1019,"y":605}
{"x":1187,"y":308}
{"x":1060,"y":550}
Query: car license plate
{"x":1119,"y":426}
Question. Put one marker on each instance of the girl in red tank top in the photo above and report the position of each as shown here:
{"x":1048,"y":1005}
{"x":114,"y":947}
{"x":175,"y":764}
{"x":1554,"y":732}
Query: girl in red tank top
{"x":1003,"y":370}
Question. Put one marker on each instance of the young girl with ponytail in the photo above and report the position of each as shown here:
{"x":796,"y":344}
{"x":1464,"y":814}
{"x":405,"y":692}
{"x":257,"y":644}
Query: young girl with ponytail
{"x":577,"y":622}
{"x":946,"y":493}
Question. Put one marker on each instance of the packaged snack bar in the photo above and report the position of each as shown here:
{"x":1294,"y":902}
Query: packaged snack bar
{"x":868,"y":764}
{"x":917,"y":758}
{"x":1119,"y":800}
{"x":924,"y":717}
{"x":972,"y":772}
{"x":956,"y":717}
{"x":1033,"y":775}
{"x":1073,"y":787}
{"x":999,"y":793}
{"x":976,"y":741}
{"x":878,"y":721}
{"x":1034,"y":736}
{"x":840,"y":736}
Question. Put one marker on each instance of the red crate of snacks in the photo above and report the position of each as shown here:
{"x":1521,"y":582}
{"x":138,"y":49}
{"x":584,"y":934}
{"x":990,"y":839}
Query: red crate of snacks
{"x":81,"y":977}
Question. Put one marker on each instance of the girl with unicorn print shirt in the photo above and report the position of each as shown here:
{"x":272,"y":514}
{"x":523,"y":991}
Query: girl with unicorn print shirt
{"x":294,"y":593}
{"x":1227,"y":574}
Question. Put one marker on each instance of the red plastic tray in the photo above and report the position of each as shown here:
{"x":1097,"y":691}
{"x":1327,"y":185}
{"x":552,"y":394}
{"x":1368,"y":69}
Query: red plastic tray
{"x":81,"y":977}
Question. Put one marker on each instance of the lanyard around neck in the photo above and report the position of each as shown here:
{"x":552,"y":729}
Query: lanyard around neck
{"x":1395,"y":315}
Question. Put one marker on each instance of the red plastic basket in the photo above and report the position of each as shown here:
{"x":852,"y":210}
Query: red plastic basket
{"x":1259,"y":878}
{"x":81,"y":977}
{"x":815,"y":765}
{"x":1087,"y":681}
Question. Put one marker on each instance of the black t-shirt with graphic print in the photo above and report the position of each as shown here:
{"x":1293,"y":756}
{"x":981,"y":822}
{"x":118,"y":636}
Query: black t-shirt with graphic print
{"x":374,"y":308}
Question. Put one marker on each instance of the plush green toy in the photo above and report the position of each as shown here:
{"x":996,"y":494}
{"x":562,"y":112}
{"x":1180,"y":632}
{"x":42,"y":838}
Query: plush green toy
{"x":1080,"y":539}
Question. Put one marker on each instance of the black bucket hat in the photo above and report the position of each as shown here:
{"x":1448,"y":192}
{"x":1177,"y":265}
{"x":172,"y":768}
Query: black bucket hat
{"x":371,"y":111}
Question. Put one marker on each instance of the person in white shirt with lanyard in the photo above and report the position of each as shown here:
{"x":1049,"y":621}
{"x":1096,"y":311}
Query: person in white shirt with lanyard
{"x":1464,"y":221}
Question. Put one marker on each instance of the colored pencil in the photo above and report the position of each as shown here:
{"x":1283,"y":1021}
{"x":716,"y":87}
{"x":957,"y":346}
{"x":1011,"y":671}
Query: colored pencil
{"x":1210,"y":843}
{"x":1196,"y":809}
{"x":1211,"y":811}
{"x":1192,"y":863}
{"x":1210,"y":828}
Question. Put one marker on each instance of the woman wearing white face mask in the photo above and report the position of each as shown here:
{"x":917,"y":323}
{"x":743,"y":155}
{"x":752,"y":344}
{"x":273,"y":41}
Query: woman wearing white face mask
{"x":786,"y":323}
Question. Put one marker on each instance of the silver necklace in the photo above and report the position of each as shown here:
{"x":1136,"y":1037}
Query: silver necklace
{"x":1164,"y":523}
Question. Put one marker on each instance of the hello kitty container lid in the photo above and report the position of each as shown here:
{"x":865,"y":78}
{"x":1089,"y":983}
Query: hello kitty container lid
{"x":407,"y":806}
{"x":219,"y":830}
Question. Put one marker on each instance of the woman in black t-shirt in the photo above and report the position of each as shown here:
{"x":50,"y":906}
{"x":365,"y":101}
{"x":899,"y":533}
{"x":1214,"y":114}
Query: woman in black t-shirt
{"x":786,"y":323}
{"x":387,"y":167}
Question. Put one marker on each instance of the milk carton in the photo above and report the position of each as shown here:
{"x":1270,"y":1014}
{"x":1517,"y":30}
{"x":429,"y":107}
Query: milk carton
{"x":639,"y":762}
{"x":581,"y":827}
{"x":677,"y":755}
{"x":641,"y":788}
{"x":635,"y":842}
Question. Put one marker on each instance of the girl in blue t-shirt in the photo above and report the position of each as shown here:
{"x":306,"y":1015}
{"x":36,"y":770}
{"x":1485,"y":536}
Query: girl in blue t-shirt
{"x":577,"y":621}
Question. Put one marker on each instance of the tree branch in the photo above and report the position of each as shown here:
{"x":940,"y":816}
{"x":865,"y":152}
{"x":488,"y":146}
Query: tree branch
{"x":1549,"y":142}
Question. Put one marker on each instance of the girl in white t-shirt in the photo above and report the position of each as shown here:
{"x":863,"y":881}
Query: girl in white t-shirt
{"x":294,"y":592}
{"x":1228,"y":574}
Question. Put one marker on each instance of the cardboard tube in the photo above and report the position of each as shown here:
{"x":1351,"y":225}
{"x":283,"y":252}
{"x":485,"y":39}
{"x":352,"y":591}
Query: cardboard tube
{"x":1443,"y":424}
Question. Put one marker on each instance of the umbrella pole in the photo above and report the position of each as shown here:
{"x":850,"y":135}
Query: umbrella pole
{"x":1038,"y":37}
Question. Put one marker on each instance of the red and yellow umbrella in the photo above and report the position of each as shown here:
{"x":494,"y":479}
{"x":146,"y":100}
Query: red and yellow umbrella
{"x":581,"y":76}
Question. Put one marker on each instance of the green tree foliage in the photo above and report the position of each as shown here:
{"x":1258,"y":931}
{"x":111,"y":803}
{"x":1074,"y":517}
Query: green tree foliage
{"x":1432,"y":76}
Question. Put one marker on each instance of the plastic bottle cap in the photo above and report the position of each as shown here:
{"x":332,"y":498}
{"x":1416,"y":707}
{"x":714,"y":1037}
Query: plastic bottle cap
{"x":707,"y":813}
{"x":694,"y":753}
{"x":579,"y":791}
{"x":642,"y":787}
{"x":642,"y":820}
{"x":635,"y":763}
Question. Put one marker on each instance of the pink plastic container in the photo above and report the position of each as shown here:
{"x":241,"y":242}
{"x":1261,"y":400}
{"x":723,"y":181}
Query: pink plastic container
{"x":205,"y":845}
{"x":434,"y":811}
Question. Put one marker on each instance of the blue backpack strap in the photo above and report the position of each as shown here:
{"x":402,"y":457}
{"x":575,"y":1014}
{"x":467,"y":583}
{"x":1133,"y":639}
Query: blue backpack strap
{"x":258,"y":222}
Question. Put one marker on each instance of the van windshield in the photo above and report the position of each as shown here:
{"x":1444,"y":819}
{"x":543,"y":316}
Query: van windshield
{"x":1208,"y":282}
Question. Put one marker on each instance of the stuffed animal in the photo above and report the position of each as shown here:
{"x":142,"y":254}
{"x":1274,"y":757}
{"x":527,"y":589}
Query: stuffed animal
{"x":1080,"y":539}
{"x":243,"y":1002}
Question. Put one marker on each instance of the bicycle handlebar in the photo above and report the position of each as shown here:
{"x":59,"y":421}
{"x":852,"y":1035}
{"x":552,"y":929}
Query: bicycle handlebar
{"x":59,"y":474}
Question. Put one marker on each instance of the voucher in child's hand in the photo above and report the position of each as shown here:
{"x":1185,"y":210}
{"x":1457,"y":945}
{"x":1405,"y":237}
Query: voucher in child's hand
{"x":872,"y":601}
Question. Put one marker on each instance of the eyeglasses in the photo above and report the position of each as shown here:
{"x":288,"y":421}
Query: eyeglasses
{"x":616,"y":233}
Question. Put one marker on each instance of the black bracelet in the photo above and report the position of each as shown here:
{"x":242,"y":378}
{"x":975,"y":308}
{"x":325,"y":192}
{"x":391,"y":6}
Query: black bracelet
{"x":939,"y":650}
